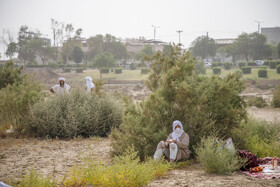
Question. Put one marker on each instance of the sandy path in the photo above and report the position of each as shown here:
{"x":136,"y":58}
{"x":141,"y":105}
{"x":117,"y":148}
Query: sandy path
{"x":268,"y":114}
{"x":51,"y":157}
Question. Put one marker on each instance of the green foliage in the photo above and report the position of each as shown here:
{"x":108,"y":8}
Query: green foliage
{"x":11,"y":50}
{"x":147,"y":51}
{"x":118,"y":71}
{"x":105,"y":70}
{"x":246,"y":70}
{"x":201,"y":103}
{"x":259,"y":137}
{"x":215,"y":158}
{"x":53,"y":65}
{"x":132,"y":66}
{"x":215,"y":64}
{"x":10,"y":75}
{"x":227,"y":65}
{"x":72,"y":115}
{"x":79,"y":70}
{"x":272,"y":65}
{"x":16,"y":100}
{"x":126,"y":170}
{"x":276,"y":98}
{"x":199,"y":67}
{"x":278,"y":68}
{"x":203,"y":46}
{"x":217,"y":70}
{"x":144,"y":71}
{"x":262,"y":73}
{"x":67,"y":69}
{"x":257,"y":102}
{"x":252,"y":64}
{"x":77,"y":54}
{"x":35,"y":179}
{"x":241,"y":64}
{"x":103,"y":60}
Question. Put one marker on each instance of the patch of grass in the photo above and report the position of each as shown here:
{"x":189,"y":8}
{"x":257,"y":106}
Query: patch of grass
{"x":126,"y":170}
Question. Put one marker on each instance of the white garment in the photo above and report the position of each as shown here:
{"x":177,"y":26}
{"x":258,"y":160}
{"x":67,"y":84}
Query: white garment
{"x":173,"y":148}
{"x":158,"y":154}
{"x":176,"y":136}
{"x":59,"y":90}
{"x":89,"y":83}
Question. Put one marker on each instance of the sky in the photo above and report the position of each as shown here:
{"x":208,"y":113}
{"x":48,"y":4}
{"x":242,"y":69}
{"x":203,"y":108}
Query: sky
{"x":134,"y":18}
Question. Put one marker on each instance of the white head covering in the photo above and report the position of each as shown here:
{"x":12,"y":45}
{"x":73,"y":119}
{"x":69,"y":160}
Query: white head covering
{"x":61,"y":79}
{"x":174,"y":135}
{"x":89,"y":83}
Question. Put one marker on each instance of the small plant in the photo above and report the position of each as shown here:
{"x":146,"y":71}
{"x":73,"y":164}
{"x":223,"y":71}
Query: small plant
{"x":118,"y":71}
{"x":144,"y":71}
{"x":215,"y":158}
{"x":215,"y":64}
{"x":278,"y":69}
{"x":276,"y":98}
{"x":217,"y":71}
{"x":262,"y":73}
{"x":257,"y":102}
{"x":67,"y":69}
{"x":227,"y":65}
{"x":272,"y":65}
{"x":106,"y":70}
{"x":246,"y":70}
{"x":252,"y":64}
{"x":241,"y":64}
{"x":199,"y":67}
{"x":132,"y":66}
{"x":79,"y":70}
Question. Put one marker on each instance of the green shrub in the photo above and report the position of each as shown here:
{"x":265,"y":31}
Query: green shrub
{"x":257,"y":102}
{"x":16,"y":100}
{"x":276,"y":98}
{"x":144,"y":71}
{"x":132,"y":66}
{"x":217,"y":70}
{"x":278,"y":69}
{"x":201,"y":103}
{"x":215,"y":64}
{"x":106,"y":70}
{"x":79,"y":70}
{"x":252,"y":64}
{"x":200,"y":68}
{"x":246,"y":70}
{"x":67,"y":69}
{"x":266,"y":63}
{"x":239,"y":73}
{"x":227,"y":65}
{"x":126,"y":170}
{"x":259,"y":137}
{"x":272,"y":65}
{"x":72,"y":115}
{"x":112,"y":70}
{"x":53,"y":65}
{"x":216,"y":159}
{"x":118,"y":71}
{"x":262,"y":73}
{"x":34,"y":179}
{"x":10,"y":75}
{"x":220,"y":63}
{"x":241,"y":64}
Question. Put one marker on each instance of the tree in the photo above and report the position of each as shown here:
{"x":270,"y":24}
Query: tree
{"x":103,"y":60}
{"x":243,"y":45}
{"x":278,"y":49}
{"x":258,"y":48}
{"x":232,"y":50}
{"x":42,"y":49}
{"x":67,"y":49}
{"x":10,"y":75}
{"x":11,"y":50}
{"x":147,"y":51}
{"x":203,"y":46}
{"x":77,"y":54}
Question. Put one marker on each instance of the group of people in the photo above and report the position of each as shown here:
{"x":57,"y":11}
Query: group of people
{"x":63,"y":88}
{"x":176,"y":146}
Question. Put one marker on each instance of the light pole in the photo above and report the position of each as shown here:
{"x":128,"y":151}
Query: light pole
{"x":179,"y":32}
{"x":155,"y":28}
{"x":259,"y":22}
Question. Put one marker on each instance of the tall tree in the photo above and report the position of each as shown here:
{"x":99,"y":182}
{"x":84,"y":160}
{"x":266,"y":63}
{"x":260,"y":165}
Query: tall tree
{"x":278,"y":49}
{"x":77,"y":54}
{"x":243,"y":45}
{"x":11,"y":50}
{"x":258,"y":47}
{"x":42,"y":48}
{"x":103,"y":60}
{"x":204,"y":47}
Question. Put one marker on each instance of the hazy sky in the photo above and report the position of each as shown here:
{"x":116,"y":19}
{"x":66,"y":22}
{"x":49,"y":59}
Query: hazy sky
{"x":134,"y":18}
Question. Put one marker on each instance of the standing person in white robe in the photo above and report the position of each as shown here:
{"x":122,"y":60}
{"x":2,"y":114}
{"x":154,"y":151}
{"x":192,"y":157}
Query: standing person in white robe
{"x":61,"y":88}
{"x":90,"y":85}
{"x":176,"y":146}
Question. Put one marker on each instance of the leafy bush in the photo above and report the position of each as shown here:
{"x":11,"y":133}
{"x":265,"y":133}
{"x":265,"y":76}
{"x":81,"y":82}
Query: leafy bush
{"x":79,"y":70}
{"x":220,"y":63}
{"x":67,"y":69}
{"x":241,"y":64}
{"x":215,"y":64}
{"x":72,"y":115}
{"x":266,"y":63}
{"x":53,"y":65}
{"x":126,"y":170}
{"x":227,"y":65}
{"x":132,"y":66}
{"x":118,"y":71}
{"x":217,"y":70}
{"x":201,"y":103}
{"x":262,"y":73}
{"x":252,"y":64}
{"x":257,"y":102}
{"x":272,"y":65}
{"x":215,"y":158}
{"x":200,"y":68}
{"x":276,"y":98}
{"x":246,"y":70}
{"x":278,"y":68}
{"x":259,"y":137}
{"x":16,"y":100}
{"x":105,"y":70}
{"x":10,"y":75}
{"x":144,"y":71}
{"x":34,"y":179}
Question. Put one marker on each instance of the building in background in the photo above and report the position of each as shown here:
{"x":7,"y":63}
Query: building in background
{"x":272,"y":34}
